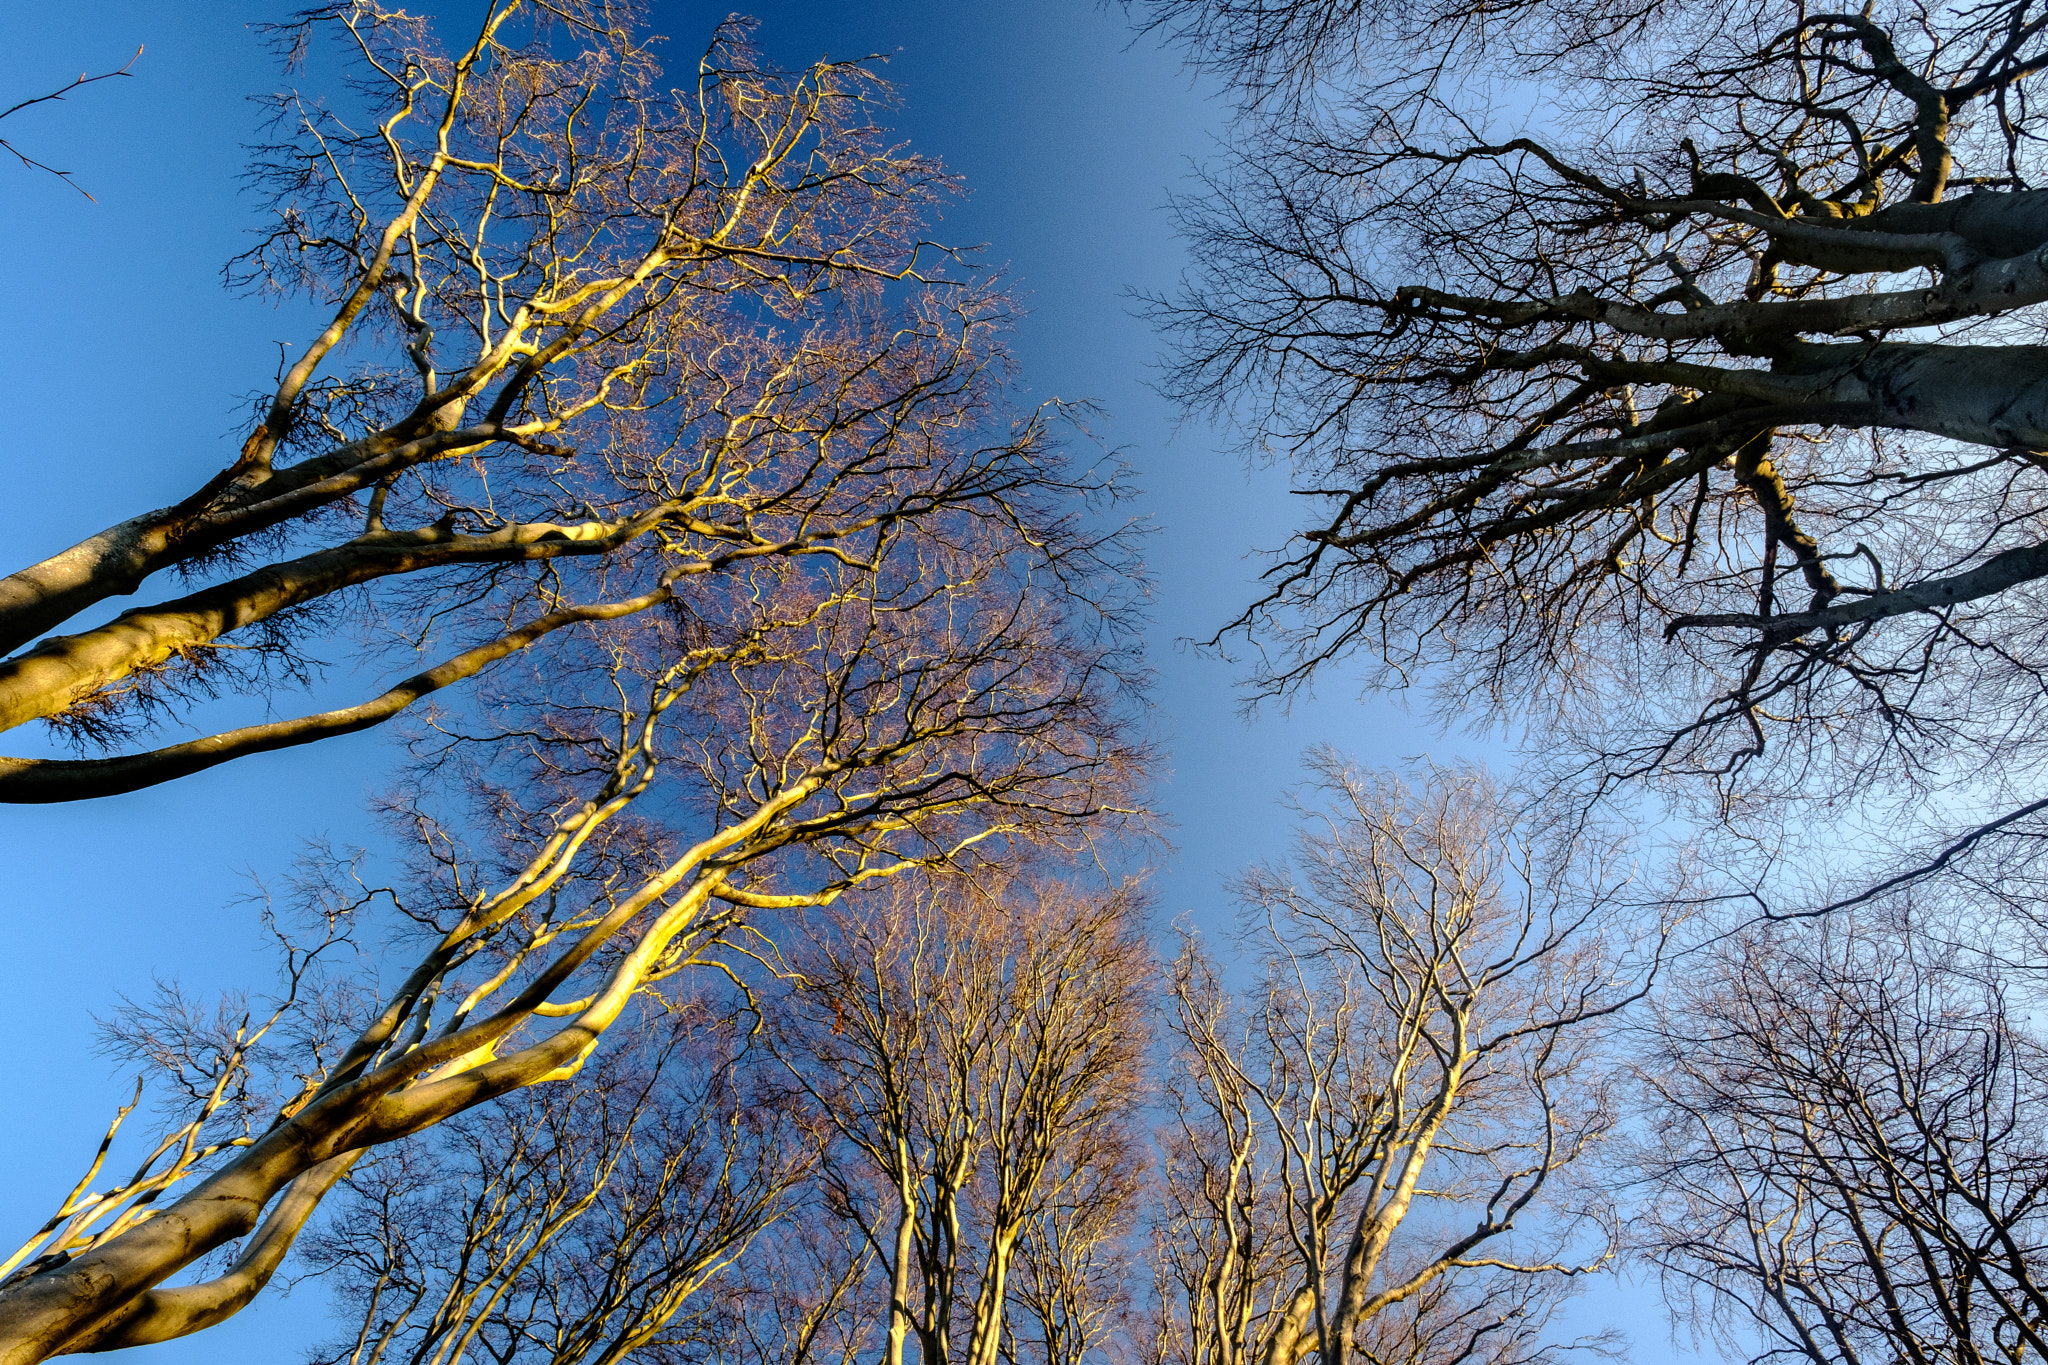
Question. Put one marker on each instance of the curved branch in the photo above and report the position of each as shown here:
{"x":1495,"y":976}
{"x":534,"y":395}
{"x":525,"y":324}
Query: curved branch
{"x":65,"y":669}
{"x":166,"y":1314}
{"x":25,"y":781}
{"x":1994,"y":575}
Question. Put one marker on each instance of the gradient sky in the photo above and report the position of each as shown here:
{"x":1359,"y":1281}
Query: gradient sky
{"x":125,"y":369}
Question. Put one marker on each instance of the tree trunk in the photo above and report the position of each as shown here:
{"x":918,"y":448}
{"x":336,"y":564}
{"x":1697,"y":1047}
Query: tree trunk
{"x":899,"y":1268}
{"x":987,"y":1342}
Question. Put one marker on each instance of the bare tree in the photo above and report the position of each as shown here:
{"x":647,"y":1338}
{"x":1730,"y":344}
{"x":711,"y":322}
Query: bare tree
{"x":1847,"y":1153}
{"x":1355,"y":1142}
{"x":807,"y":1293}
{"x":979,"y":1056}
{"x":580,"y":1222}
{"x":1073,"y":1293}
{"x":1663,"y":371}
{"x":592,"y":341}
{"x":827,"y":725}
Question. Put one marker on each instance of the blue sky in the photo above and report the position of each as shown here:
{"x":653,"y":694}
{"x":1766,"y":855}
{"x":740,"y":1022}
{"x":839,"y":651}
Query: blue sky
{"x":124,"y":365}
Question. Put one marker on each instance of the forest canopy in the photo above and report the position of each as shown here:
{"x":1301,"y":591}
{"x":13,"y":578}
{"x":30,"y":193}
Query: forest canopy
{"x":769,"y":948}
{"x":1663,"y":376}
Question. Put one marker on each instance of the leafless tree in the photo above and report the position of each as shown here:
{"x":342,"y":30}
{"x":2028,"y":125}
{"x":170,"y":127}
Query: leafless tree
{"x":979,"y":1055}
{"x":818,"y":725}
{"x":1847,"y":1151}
{"x":1355,"y":1142}
{"x":592,"y":342}
{"x":1073,"y":1294}
{"x":807,"y":1295}
{"x":580,"y":1222}
{"x":1220,"y":1258}
{"x":1664,"y":373}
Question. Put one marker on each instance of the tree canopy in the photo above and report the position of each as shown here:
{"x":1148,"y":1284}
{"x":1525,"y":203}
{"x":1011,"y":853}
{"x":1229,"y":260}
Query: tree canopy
{"x":1662,"y":375}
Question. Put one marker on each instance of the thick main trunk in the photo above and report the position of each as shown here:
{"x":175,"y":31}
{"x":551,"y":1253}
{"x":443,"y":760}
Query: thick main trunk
{"x":167,"y":1314}
{"x":1997,"y":223}
{"x":61,"y":1309}
{"x":111,"y":564}
{"x":1375,"y":1228}
{"x":987,"y":1340}
{"x":899,"y":1274}
{"x":1950,"y":232}
{"x":95,"y":1299}
{"x":1986,"y":395}
{"x":1292,"y":1339}
{"x":1381,"y":1218}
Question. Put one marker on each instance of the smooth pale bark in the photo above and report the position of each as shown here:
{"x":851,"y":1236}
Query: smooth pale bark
{"x":167,"y":1314}
{"x":66,"y":669}
{"x":1953,"y":234}
{"x":27,"y":780}
{"x":98,"y":1296}
{"x":1994,"y":396}
{"x":1985,"y":395}
{"x":110,"y":564}
{"x":239,"y":501}
{"x":899,"y":1266}
{"x":1292,"y":1339}
{"x":1379,"y":1218}
{"x":985,"y":1346}
{"x":59,"y":1309}
{"x":1999,"y":224}
{"x":1993,"y":576}
{"x":1996,"y":286}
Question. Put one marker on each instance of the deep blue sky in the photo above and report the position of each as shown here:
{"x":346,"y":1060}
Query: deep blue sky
{"x":123,"y":366}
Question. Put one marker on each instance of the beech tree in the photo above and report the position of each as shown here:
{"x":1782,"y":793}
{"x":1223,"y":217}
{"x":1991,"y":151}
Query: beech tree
{"x":667,"y":362}
{"x":1365,"y":1150}
{"x":978,"y":1056}
{"x":819,"y":724}
{"x":581,"y":1222}
{"x":1845,"y":1146}
{"x":588,"y":340}
{"x":1660,"y":372}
